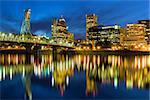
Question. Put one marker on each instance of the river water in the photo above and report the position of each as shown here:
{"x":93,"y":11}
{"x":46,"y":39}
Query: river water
{"x":74,"y":76}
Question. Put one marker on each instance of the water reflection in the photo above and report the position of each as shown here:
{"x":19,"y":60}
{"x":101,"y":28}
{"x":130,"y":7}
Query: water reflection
{"x":99,"y":69}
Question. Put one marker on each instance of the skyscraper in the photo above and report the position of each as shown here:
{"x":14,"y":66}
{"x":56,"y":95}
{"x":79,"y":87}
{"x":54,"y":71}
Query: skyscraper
{"x":91,"y":21}
{"x":147,"y":30}
{"x":60,"y":31}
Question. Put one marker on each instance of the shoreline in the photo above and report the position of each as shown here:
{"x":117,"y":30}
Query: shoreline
{"x":90,"y":52}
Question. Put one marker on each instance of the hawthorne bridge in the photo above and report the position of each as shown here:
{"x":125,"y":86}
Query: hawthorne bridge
{"x":29,"y":41}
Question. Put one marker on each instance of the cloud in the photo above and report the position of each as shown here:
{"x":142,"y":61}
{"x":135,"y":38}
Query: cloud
{"x":43,"y":25}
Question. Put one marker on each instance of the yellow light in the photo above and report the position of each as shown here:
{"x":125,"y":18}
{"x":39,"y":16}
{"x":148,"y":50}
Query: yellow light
{"x":98,"y":47}
{"x":94,"y":48}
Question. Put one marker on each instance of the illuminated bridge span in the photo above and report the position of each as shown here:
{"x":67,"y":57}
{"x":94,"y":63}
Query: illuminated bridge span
{"x":10,"y":37}
{"x":28,"y":41}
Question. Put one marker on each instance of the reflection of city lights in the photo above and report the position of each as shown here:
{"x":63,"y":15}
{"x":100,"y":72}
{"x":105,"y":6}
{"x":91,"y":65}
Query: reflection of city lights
{"x":8,"y":58}
{"x":113,"y":60}
{"x":48,"y":70}
{"x":90,"y":65}
{"x":125,"y":62}
{"x":67,"y":80}
{"x":0,"y":74}
{"x":103,"y":67}
{"x":61,"y":67}
{"x":143,"y":62}
{"x":88,"y":61}
{"x":135,"y":62}
{"x":35,"y":70}
{"x":129,"y":83}
{"x":109,"y":59}
{"x":32,"y":59}
{"x":39,"y":71}
{"x":4,"y":73}
{"x":72,"y":64}
{"x":94,"y":59}
{"x":148,"y":61}
{"x":16,"y":58}
{"x":58,"y":67}
{"x":94,"y":65}
{"x":111,"y":72}
{"x":79,"y":61}
{"x":115,"y":82}
{"x":84,"y":63}
{"x":119,"y":61}
{"x":23,"y":72}
{"x":52,"y":67}
{"x":52,"y":81}
{"x":139,"y":63}
{"x":10,"y":74}
{"x":133,"y":76}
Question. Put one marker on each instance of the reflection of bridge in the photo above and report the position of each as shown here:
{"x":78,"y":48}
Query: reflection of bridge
{"x":30,"y":42}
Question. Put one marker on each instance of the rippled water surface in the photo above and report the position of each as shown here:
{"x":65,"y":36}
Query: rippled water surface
{"x":74,"y":76}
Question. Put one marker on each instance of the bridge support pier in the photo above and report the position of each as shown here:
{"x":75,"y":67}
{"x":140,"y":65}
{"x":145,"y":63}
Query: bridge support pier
{"x":37,"y":49}
{"x":28,"y":48}
{"x":54,"y":53}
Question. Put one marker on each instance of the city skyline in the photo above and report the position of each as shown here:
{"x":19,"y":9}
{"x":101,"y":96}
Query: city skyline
{"x":42,"y":13}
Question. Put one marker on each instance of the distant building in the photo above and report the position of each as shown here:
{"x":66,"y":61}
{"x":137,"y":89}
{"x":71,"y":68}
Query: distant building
{"x":105,"y":33}
{"x":147,"y":30}
{"x":54,"y":29}
{"x":135,"y":35}
{"x":60,"y":31}
{"x":122,"y":35}
{"x":91,"y":21}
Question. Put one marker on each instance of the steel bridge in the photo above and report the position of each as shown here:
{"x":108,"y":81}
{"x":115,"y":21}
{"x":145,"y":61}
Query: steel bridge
{"x":30,"y":41}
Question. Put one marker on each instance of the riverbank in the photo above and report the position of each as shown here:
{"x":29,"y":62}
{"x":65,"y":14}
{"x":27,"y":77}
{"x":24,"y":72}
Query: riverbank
{"x":103,"y":52}
{"x":112,"y":52}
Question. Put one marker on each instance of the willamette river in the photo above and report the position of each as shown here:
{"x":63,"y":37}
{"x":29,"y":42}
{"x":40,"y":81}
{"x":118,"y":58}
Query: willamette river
{"x":74,"y":76}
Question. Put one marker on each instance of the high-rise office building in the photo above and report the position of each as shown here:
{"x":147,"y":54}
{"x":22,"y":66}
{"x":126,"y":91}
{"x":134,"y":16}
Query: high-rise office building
{"x":147,"y":29}
{"x":60,"y":31}
{"x":122,"y":35}
{"x":135,"y":35}
{"x":105,"y":33}
{"x":91,"y":21}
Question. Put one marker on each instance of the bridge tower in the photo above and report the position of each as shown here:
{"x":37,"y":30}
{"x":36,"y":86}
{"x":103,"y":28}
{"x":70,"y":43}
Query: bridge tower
{"x":25,"y":28}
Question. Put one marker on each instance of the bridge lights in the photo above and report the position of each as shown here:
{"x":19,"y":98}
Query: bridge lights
{"x":98,"y":47}
{"x":88,"y":48}
{"x":84,"y":47}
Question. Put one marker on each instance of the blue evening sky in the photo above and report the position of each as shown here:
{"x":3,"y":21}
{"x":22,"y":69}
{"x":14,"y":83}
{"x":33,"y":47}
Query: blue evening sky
{"x":109,"y":12}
